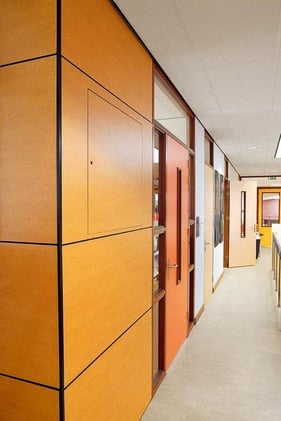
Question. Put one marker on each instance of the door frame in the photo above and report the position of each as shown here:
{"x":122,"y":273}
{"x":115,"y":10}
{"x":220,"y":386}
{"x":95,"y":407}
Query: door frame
{"x":259,"y":211}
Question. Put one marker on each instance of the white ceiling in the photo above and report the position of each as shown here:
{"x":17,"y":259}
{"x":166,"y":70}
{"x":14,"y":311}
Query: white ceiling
{"x":224,"y":57}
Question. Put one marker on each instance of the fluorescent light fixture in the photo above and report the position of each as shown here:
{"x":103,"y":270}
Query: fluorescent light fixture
{"x":278,"y":149}
{"x":250,"y":148}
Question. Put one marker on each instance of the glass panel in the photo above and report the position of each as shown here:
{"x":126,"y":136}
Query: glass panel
{"x":156,"y":270}
{"x":207,"y":150}
{"x":270,"y":209}
{"x":243,"y":215}
{"x":169,"y":113}
{"x":179,"y":219}
{"x":155,"y":339}
{"x":156,"y":179}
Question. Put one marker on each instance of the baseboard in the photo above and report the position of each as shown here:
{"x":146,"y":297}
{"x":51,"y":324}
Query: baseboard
{"x":218,"y":281}
{"x":199,"y":314}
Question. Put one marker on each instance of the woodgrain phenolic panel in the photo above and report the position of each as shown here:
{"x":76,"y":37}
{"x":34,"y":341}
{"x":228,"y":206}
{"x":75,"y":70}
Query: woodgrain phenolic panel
{"x":118,"y":385}
{"x":27,"y":29}
{"x":28,"y":152}
{"x":115,"y":168}
{"x":107,"y":287}
{"x":21,"y":401}
{"x":29,"y":312}
{"x":113,"y":194}
{"x":106,"y":49}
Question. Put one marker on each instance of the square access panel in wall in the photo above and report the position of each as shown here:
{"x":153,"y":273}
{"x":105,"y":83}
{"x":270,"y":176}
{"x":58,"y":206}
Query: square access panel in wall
{"x":115,"y":167}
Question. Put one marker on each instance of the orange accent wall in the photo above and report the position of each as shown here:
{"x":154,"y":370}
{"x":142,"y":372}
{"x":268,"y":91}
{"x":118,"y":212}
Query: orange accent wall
{"x":176,"y":293}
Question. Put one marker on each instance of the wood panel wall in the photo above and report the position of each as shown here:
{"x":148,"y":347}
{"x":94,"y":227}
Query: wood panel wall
{"x":28,"y":151}
{"x":106,"y":213}
{"x":29,"y":352}
{"x":107,"y":153}
{"x":25,"y":401}
{"x":106,"y":49}
{"x":29,"y":313}
{"x":107,"y":287}
{"x":27,"y":29}
{"x":118,"y":386}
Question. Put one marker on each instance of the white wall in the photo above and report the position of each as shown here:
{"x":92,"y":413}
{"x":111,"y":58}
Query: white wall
{"x":232,"y":173}
{"x":218,"y":251}
{"x":199,"y":211}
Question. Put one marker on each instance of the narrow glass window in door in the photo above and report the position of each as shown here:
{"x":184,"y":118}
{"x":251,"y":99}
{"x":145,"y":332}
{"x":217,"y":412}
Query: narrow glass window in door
{"x":243,"y":214}
{"x":270,"y":209}
{"x":158,"y":286}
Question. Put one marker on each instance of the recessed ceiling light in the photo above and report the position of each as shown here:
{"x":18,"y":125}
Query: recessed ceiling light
{"x":251,"y":147}
{"x":278,"y":149}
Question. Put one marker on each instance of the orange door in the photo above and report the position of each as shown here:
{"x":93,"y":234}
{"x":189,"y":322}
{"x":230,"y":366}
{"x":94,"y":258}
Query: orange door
{"x":177,"y":294}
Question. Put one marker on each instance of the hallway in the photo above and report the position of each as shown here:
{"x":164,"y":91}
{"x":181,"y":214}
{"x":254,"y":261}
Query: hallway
{"x":229,"y":368}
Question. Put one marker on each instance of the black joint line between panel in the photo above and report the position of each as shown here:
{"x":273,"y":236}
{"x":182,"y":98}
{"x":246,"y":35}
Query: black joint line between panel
{"x":46,"y":386}
{"x":59,"y":212}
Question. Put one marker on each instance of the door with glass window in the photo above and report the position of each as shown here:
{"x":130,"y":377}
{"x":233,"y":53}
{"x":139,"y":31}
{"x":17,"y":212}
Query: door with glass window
{"x":177,"y":294}
{"x":268,"y":212}
{"x":242,"y":223}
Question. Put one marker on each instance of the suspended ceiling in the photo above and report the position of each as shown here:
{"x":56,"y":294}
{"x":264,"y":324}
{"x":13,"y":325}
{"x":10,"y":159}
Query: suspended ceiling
{"x":224,"y":57}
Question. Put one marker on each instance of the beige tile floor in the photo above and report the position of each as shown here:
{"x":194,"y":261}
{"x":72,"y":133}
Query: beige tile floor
{"x":229,"y":368}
